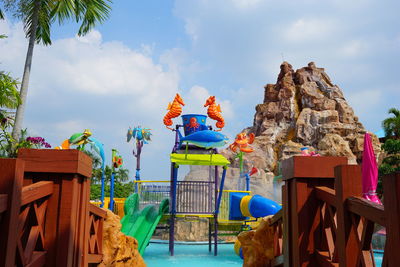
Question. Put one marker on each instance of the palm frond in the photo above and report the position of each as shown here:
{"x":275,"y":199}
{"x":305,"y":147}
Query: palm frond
{"x":1,"y":15}
{"x":90,"y":12}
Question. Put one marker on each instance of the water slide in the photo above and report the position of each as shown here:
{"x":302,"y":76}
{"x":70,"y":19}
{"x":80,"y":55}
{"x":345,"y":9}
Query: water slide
{"x":141,"y":224}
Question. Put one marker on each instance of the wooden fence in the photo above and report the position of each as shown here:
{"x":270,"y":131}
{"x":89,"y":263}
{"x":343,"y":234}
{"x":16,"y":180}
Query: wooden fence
{"x":45,"y":215}
{"x":326,"y":222}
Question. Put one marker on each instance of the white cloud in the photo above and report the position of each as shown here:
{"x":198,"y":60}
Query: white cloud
{"x":310,"y":30}
{"x":245,"y":4}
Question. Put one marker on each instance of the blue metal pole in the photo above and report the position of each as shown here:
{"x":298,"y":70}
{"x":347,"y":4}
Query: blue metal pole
{"x":247,"y":181}
{"x":102,"y":189}
{"x":221,"y":188}
{"x":174,"y":178}
{"x":111,"y":207}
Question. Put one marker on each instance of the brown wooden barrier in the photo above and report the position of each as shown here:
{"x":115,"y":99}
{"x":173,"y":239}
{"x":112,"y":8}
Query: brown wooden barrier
{"x":325,"y":220}
{"x":46,"y":218}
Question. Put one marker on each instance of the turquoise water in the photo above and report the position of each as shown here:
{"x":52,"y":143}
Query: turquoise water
{"x":378,"y":255}
{"x":157,"y":255}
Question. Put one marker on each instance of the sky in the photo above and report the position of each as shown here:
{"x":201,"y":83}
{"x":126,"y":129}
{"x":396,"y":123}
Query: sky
{"x":125,"y":71}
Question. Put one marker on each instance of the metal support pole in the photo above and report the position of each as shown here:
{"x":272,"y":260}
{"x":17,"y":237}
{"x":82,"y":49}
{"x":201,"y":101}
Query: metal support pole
{"x":247,"y":181}
{"x":221,"y":188}
{"x":174,"y":178}
{"x":102,"y":189}
{"x":209,"y":234}
{"x":216,"y":213}
{"x":111,"y":205}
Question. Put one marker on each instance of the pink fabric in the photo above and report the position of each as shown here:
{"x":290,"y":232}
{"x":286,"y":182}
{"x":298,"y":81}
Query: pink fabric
{"x":369,"y":171}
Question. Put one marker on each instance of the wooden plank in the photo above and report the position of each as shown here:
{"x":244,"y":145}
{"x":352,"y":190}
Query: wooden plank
{"x":11,"y":179}
{"x":322,"y":259}
{"x":66,"y":223}
{"x":52,"y":217}
{"x":38,"y":259}
{"x":56,"y":161}
{"x":3,"y":202}
{"x":286,"y":238}
{"x":95,"y":258}
{"x":36,"y":191}
{"x":277,"y":217}
{"x":310,"y":167}
{"x":101,"y":212}
{"x":347,"y":184}
{"x":326,"y":194}
{"x":367,"y":209}
{"x":391,"y":189}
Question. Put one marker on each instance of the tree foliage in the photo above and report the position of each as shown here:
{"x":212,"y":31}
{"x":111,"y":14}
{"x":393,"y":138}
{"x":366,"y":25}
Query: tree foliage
{"x":391,"y":162}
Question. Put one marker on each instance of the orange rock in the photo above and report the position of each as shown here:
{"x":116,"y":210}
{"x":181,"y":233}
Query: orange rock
{"x":258,"y":245}
{"x":119,"y":250}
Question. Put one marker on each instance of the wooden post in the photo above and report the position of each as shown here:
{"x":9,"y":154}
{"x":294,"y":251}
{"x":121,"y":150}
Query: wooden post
{"x":301,"y":174}
{"x":66,"y":231}
{"x":348,"y":184}
{"x":11,"y":179}
{"x":391,"y":194}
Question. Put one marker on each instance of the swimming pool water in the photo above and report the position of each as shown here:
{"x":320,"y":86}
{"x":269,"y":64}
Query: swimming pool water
{"x":157,"y":255}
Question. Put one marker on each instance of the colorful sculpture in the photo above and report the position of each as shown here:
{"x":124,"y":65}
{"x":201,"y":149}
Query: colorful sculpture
{"x":116,"y":163}
{"x":175,"y":109}
{"x":206,"y":139}
{"x":77,"y":139}
{"x":242,"y":142}
{"x":141,"y":135}
{"x":214,"y":112}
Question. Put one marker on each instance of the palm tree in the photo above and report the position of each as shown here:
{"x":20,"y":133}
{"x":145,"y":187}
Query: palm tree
{"x":38,"y":16}
{"x":391,"y":125}
{"x":9,"y":95}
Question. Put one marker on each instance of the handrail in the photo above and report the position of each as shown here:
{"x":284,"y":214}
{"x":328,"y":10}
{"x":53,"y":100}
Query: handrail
{"x":150,"y":181}
{"x":97,"y":211}
{"x":367,"y":209}
{"x":277,"y":217}
{"x":3,"y":202}
{"x":326,"y":194}
{"x":36,"y":191}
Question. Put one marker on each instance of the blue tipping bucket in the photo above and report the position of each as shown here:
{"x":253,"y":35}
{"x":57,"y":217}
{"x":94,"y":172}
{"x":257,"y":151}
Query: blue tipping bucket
{"x":193,"y":123}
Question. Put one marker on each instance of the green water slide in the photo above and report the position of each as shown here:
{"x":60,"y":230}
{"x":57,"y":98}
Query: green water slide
{"x":141,"y":224}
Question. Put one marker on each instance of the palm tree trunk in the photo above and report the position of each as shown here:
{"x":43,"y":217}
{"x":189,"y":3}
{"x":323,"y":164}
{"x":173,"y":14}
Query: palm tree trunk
{"x":19,"y":116}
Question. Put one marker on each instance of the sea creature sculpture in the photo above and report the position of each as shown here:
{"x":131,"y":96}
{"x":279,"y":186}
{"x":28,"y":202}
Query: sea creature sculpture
{"x":174,"y":110}
{"x":193,"y":124}
{"x":206,"y":139}
{"x":98,"y":147}
{"x":78,"y":139}
{"x":242,"y":142}
{"x":214,"y":112}
{"x":139,"y":133}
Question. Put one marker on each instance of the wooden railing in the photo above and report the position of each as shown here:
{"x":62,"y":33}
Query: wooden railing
{"x":327,"y":222}
{"x":96,"y":219}
{"x":45,"y":215}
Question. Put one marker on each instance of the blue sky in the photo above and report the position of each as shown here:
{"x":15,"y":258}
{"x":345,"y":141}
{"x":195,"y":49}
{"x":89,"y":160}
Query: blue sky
{"x":126,"y":71}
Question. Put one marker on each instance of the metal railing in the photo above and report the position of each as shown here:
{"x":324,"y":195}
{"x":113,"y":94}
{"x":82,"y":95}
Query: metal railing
{"x":195,"y":197}
{"x":152,"y":192}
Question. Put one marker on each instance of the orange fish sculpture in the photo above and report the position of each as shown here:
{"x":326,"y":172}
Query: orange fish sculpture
{"x":214,"y":112}
{"x":174,"y":110}
{"x":242,"y":142}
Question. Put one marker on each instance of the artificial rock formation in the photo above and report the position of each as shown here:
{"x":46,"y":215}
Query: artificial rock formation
{"x":304,"y":108}
{"x":258,"y":245}
{"x":119,"y":250}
